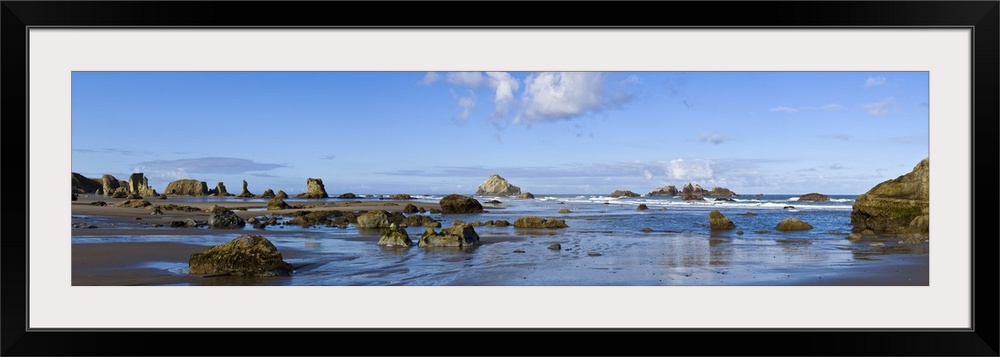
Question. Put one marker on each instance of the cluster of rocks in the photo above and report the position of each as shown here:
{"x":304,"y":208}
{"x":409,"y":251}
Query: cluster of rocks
{"x":692,"y":192}
{"x":136,"y":187}
{"x":719,"y":221}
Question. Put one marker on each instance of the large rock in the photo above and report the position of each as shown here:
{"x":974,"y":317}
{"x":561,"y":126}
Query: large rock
{"x":373,"y":219}
{"x":814,"y":197}
{"x":314,"y":189}
{"x":720,"y":192}
{"x":624,"y":193}
{"x":719,"y":221}
{"x":138,"y":184}
{"x":281,"y":194}
{"x":897,"y":206}
{"x":539,"y":222}
{"x":85,"y":185}
{"x":497,"y":186}
{"x":276,"y":203}
{"x":220,"y":190}
{"x":669,"y":191}
{"x":246,"y":193}
{"x":394,"y":236}
{"x":223,"y":218}
{"x":456,"y":203}
{"x":110,"y":184}
{"x":187,"y":187}
{"x":268,"y":193}
{"x":462,"y":235}
{"x":793,"y":224}
{"x":246,"y":255}
{"x":527,"y":195}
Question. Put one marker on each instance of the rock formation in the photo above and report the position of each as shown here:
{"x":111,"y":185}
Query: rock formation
{"x":462,"y":235}
{"x":814,"y":197}
{"x":373,"y":219}
{"x":138,"y":184}
{"x":268,"y":193}
{"x":314,"y":189}
{"x":281,"y":194}
{"x":395,"y":236}
{"x":623,"y":193}
{"x":497,"y":186}
{"x":720,"y":192}
{"x":793,"y":224}
{"x":665,"y":191}
{"x":109,"y":184}
{"x":187,"y":187}
{"x":719,"y":221}
{"x":539,"y":222}
{"x":220,"y":190}
{"x":246,"y":255}
{"x":223,"y":218}
{"x":897,"y":206}
{"x":456,"y":203}
{"x":526,"y":195}
{"x":276,"y":203}
{"x":85,"y":185}
{"x":246,"y":193}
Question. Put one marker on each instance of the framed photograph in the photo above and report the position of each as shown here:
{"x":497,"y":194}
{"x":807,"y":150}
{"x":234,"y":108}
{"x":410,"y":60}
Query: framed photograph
{"x":557,"y":177}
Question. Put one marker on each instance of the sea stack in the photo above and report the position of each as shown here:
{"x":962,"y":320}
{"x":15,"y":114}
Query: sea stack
{"x":497,"y":186}
{"x":314,"y":189}
{"x":897,"y":206}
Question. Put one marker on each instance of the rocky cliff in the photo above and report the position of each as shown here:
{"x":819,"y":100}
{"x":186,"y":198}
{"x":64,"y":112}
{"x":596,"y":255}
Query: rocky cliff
{"x":897,"y":206}
{"x":187,"y":187}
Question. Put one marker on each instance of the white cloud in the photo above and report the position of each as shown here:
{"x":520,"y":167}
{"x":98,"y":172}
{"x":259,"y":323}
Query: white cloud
{"x":874,"y":81}
{"x":465,"y":104}
{"x":562,"y":95}
{"x":468,"y":79}
{"x":712,"y":138}
{"x":648,"y":174}
{"x":783,"y":109}
{"x":878,"y":108}
{"x":832,"y":107}
{"x":505,"y":86}
{"x":430,"y":78}
{"x":680,"y":169}
{"x":836,"y":166}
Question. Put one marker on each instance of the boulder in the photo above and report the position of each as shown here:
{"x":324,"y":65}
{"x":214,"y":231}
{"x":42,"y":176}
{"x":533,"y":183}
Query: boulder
{"x":410,"y":209}
{"x":401,"y":196}
{"x":539,"y":222}
{"x":347,"y":196}
{"x":223,"y":218}
{"x":623,"y":193}
{"x":642,"y":207}
{"x":420,"y":220}
{"x":246,"y":193}
{"x":276,"y":203}
{"x":497,"y":186}
{"x":526,"y":195}
{"x":814,"y":197}
{"x":455,"y":203}
{"x":268,"y":193}
{"x":793,"y":224}
{"x":462,"y":235}
{"x":85,"y":185}
{"x":669,"y":191}
{"x":373,"y":219}
{"x":246,"y":255}
{"x":314,"y":189}
{"x":897,"y":206}
{"x":187,"y":187}
{"x":395,"y":236}
{"x":719,"y":221}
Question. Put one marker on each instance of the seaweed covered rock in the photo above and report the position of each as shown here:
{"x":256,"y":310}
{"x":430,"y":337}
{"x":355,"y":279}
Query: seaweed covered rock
{"x":814,"y":197}
{"x":246,"y":255}
{"x":897,"y":206}
{"x":539,"y":222}
{"x":719,"y":221}
{"x":276,"y":203}
{"x":373,"y":219}
{"x":461,"y":235}
{"x":222,"y":218}
{"x":314,"y":189}
{"x":394,"y":236}
{"x":624,"y":193}
{"x":187,"y":187}
{"x":793,"y":224}
{"x":456,"y":203}
{"x":497,"y":186}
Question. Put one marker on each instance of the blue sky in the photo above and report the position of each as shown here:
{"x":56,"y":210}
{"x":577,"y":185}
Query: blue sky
{"x":546,"y":132}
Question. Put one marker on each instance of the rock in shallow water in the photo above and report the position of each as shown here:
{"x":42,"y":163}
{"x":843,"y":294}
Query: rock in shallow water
{"x":246,"y":255}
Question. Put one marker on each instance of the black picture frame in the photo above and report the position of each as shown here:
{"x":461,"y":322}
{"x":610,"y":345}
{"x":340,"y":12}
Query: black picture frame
{"x":979,"y":16}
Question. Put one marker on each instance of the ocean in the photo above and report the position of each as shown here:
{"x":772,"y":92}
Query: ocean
{"x":609,"y":242}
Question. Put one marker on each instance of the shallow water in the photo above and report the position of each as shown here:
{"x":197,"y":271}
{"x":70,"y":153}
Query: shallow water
{"x":603,"y":246}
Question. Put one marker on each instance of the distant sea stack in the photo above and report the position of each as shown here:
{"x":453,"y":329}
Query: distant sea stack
{"x":814,"y":197}
{"x":623,"y":193}
{"x":897,"y":206}
{"x":669,"y":191}
{"x":692,"y":192}
{"x":314,"y":189}
{"x":187,"y":187}
{"x":497,"y":186}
